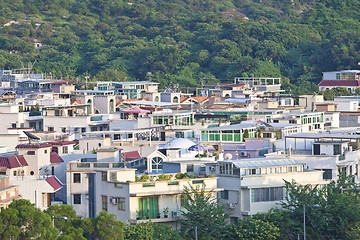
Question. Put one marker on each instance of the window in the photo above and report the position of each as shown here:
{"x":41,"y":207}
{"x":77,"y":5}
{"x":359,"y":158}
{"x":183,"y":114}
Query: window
{"x":225,"y":168}
{"x":149,"y":185}
{"x":50,"y":129}
{"x":183,"y":200}
{"x":267,"y":194}
{"x":104,"y":200}
{"x":31,"y":153}
{"x":337,"y":149}
{"x":83,"y":130}
{"x":121,"y":203}
{"x":337,"y":76}
{"x":63,"y":129}
{"x":113,"y":176}
{"x":148,"y":207}
{"x":77,"y":178}
{"x":45,"y":151}
{"x":77,"y":198}
{"x":157,"y":164}
{"x":266,"y":135}
{"x":65,"y":149}
{"x":190,"y":168}
{"x":197,"y":181}
{"x":118,"y":185}
{"x":104,"y":176}
{"x":173,"y":183}
{"x":327,"y":174}
{"x":179,"y":135}
{"x":93,"y":129}
{"x":224,"y":194}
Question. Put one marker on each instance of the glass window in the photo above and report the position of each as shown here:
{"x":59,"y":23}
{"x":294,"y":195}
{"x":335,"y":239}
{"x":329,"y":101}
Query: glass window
{"x":149,"y":185}
{"x":119,"y":185}
{"x":173,"y":183}
{"x":31,"y":153}
{"x":157,"y":164}
{"x":148,"y":207}
{"x":77,"y":198}
{"x":197,"y":181}
{"x":121,"y":203}
{"x":104,"y":200}
{"x":224,"y":194}
{"x":104,"y":176}
{"x":267,"y":194}
{"x":77,"y":178}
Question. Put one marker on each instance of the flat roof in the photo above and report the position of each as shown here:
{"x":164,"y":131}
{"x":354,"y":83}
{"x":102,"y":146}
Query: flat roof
{"x":151,"y":103}
{"x":171,"y":113}
{"x":263,"y":162}
{"x":128,"y":83}
{"x":331,"y":143}
{"x":231,"y":127}
{"x":323,"y":135}
{"x":282,"y":125}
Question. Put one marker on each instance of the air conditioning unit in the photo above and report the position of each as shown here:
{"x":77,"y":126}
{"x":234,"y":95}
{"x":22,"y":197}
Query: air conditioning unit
{"x":175,"y":214}
{"x":230,"y":205}
{"x":113,"y":200}
{"x":243,"y":154}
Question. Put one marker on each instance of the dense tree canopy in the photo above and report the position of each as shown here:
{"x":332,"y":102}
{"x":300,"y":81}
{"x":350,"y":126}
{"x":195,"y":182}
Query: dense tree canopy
{"x":182,"y":41}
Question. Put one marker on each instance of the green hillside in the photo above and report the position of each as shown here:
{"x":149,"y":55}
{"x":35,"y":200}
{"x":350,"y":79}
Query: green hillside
{"x":182,"y":41}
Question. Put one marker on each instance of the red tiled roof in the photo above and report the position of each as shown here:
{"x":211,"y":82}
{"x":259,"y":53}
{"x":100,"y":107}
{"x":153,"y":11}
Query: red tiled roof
{"x":60,"y":82}
{"x":54,"y":182}
{"x":131,"y":155}
{"x":76,"y":102}
{"x":197,"y":99}
{"x":13,"y":161}
{"x":55,"y":158}
{"x":339,"y":83}
{"x":41,"y":145}
{"x":62,"y":143}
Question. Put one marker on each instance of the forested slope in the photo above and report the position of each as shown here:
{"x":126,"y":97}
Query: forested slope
{"x":182,"y":41}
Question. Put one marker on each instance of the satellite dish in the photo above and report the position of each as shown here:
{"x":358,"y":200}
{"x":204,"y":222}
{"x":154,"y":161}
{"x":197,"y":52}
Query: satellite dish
{"x":228,"y":156}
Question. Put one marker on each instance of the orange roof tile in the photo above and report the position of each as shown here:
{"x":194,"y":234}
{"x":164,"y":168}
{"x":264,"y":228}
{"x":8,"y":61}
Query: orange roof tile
{"x":76,"y":103}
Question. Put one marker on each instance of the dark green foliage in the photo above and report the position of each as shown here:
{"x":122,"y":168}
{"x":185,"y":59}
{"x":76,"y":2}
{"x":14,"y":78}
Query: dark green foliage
{"x":150,"y":231}
{"x":183,"y":41}
{"x":23,"y":221}
{"x":202,"y":210}
{"x":337,"y":217}
{"x":252,"y":228}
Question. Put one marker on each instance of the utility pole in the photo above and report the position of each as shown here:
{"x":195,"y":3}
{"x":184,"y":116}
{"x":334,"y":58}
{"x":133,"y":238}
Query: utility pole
{"x":86,"y":80}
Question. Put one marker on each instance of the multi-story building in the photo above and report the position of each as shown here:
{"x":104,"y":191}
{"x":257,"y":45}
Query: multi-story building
{"x":160,"y":201}
{"x":257,"y":185}
{"x":348,"y":79}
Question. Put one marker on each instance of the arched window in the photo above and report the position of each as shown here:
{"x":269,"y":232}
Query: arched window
{"x":156,"y":164}
{"x":88,"y":108}
{"x":111,"y":106}
{"x":156,"y":98}
{"x":175,"y":99}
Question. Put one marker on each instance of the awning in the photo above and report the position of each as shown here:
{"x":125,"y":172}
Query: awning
{"x":136,"y":110}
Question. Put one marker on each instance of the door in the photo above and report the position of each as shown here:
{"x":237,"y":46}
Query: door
{"x":316,"y":149}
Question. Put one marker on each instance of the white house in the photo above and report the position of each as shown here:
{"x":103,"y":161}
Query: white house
{"x":256,"y":185}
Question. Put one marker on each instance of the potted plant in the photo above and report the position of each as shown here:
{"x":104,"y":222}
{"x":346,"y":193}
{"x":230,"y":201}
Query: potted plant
{"x":158,"y":216}
{"x":166,"y":212}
